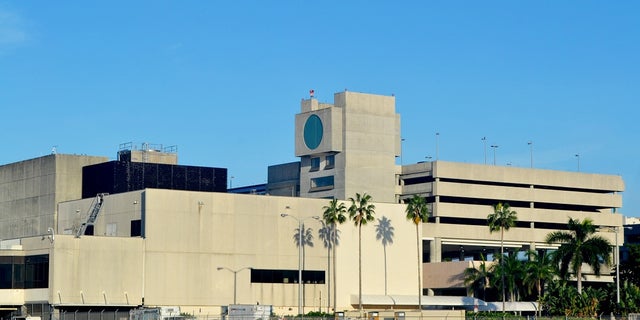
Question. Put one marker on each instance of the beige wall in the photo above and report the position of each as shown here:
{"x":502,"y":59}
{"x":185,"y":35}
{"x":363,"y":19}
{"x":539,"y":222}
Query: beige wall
{"x":190,"y":234}
{"x":96,"y":271}
{"x":31,"y":189}
{"x":371,"y":143}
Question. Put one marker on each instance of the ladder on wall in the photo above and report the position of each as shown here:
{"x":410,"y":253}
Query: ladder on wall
{"x":96,"y":205}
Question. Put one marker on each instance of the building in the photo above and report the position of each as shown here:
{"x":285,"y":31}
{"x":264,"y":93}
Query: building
{"x":30,"y":191}
{"x":154,"y":242}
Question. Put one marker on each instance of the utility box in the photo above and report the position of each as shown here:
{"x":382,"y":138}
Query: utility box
{"x":247,"y":312}
{"x":24,"y":318}
{"x":157,"y":313}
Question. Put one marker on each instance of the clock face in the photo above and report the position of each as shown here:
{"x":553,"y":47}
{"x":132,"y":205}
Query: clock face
{"x":313,"y":132}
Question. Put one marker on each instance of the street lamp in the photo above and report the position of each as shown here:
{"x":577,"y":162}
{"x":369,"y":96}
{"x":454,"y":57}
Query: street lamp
{"x":484,"y":140}
{"x":578,"y":157}
{"x":235,"y":279}
{"x":494,"y":153}
{"x":300,"y":221}
{"x":530,"y":143}
{"x":616,"y":259}
{"x":401,"y":149}
{"x":437,"y":136}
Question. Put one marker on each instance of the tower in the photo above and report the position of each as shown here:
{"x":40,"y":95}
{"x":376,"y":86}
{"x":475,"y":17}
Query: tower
{"x":348,"y":147}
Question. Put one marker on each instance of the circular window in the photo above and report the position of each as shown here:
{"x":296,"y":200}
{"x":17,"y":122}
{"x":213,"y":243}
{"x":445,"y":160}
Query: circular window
{"x":313,"y":132}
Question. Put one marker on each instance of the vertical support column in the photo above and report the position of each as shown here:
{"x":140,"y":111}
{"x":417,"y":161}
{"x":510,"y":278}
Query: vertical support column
{"x":435,"y":250}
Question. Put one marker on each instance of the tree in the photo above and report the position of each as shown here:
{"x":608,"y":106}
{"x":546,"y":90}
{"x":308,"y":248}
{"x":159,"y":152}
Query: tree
{"x":511,"y":271}
{"x":384,"y":232}
{"x":579,"y":245}
{"x":361,"y":211}
{"x":538,"y":270}
{"x":630,"y":269}
{"x":502,"y":219}
{"x":477,"y":278}
{"x":418,"y":213}
{"x":333,"y":215}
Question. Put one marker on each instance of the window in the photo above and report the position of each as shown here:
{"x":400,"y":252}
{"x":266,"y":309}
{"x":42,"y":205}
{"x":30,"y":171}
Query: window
{"x":36,"y":270}
{"x":321,"y":183}
{"x":285,"y":276}
{"x":331,"y":161}
{"x":315,"y":164}
{"x":136,"y":228}
{"x":30,"y":272}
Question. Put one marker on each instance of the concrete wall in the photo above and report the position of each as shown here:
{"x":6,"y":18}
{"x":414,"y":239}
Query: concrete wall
{"x":371,"y":138}
{"x":363,"y":132}
{"x":31,"y":189}
{"x":190,"y":234}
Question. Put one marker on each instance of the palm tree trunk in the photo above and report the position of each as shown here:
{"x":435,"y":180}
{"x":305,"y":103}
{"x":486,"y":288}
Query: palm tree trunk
{"x":579,"y":278}
{"x":419,"y":271}
{"x":539,"y":287}
{"x":335,"y":283}
{"x":502,"y":267}
{"x":360,"y":269}
{"x":328,"y":276}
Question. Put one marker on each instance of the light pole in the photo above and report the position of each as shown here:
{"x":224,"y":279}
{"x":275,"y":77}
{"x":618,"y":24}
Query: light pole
{"x":578,"y":157}
{"x":235,"y":279}
{"x":401,"y":149}
{"x":494,"y":153}
{"x":300,"y":221}
{"x":530,"y":143}
{"x":437,"y":136}
{"x":617,"y":269}
{"x":484,"y":140}
{"x":616,"y":258}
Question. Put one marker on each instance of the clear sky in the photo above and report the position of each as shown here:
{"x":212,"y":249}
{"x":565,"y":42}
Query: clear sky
{"x":223,"y":80}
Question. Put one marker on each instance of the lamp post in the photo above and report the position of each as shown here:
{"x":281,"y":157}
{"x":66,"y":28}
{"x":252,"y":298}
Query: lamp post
{"x":235,"y":279}
{"x":437,"y":136}
{"x":300,"y":231}
{"x":484,"y":140}
{"x":578,"y":157}
{"x":530,"y":143}
{"x":616,"y":258}
{"x":617,"y":269}
{"x":494,"y":153}
{"x":401,"y":149}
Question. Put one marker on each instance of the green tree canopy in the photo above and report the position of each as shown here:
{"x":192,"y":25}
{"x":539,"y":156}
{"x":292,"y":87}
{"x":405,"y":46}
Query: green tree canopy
{"x":580,"y":245}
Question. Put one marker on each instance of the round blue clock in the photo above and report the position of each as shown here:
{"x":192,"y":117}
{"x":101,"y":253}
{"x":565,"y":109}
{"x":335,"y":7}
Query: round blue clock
{"x":313,"y":132}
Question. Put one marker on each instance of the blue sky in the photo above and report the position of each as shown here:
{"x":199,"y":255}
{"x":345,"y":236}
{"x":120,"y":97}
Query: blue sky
{"x":223,"y":80}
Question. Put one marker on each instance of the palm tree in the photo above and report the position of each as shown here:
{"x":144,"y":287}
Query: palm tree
{"x":418,"y":213}
{"x":478,"y":277}
{"x":384,"y":232}
{"x":334,"y":214}
{"x":538,"y":269}
{"x":502,"y":218}
{"x":361,"y":211}
{"x":579,"y":245}
{"x":511,"y":271}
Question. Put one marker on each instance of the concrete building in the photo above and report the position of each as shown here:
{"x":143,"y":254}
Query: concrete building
{"x":153,"y":245}
{"x":31,"y":189}
{"x":349,"y":146}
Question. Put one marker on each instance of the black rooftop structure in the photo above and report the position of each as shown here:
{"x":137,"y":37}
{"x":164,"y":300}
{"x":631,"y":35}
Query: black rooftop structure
{"x":124,"y":176}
